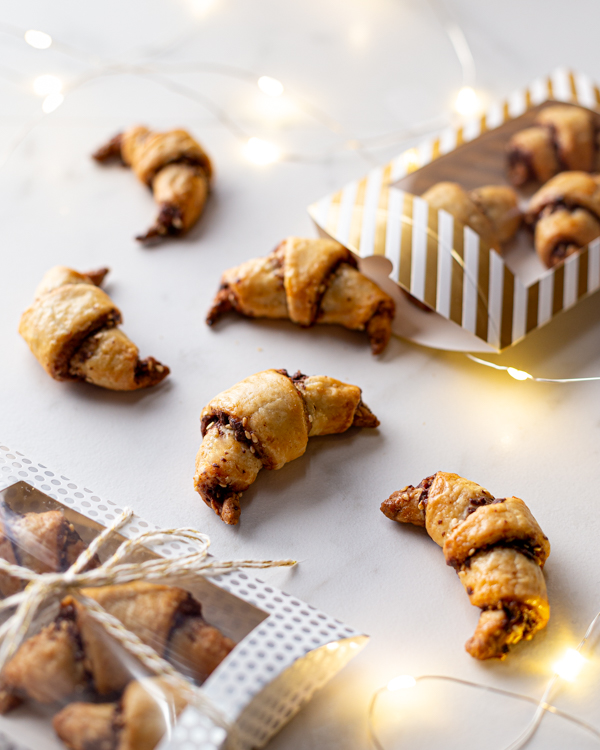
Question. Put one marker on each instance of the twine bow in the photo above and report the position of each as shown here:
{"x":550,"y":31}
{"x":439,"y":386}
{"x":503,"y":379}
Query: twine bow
{"x":43,"y":587}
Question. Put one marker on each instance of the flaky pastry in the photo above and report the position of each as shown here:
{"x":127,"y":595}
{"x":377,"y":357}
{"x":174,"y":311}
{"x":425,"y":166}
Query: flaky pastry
{"x":564,"y":137}
{"x":565,"y":213}
{"x":43,"y":542}
{"x":495,"y":545}
{"x":308,"y":281}
{"x":265,"y":421}
{"x":147,"y":709}
{"x":174,"y":166}
{"x":71,"y":329}
{"x":492,"y":211}
{"x":72,"y":654}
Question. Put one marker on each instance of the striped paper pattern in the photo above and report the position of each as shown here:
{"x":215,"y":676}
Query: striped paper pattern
{"x":444,"y":264}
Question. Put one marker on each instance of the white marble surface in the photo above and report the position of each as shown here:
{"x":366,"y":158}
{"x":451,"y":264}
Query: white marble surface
{"x":375,"y":67}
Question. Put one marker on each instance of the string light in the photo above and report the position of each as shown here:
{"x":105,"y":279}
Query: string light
{"x":202,"y":7}
{"x":571,"y":664}
{"x":258,"y":154}
{"x":522,"y":375}
{"x":270,"y":86}
{"x":52,"y":102}
{"x":47,"y":84}
{"x":567,"y":668}
{"x":467,"y":102}
{"x":261,"y":152}
{"x":38,"y":39}
{"x":402,"y":682}
{"x":411,"y":160}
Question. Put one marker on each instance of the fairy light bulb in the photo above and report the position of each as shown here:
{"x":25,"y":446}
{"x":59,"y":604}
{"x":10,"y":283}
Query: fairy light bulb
{"x":402,"y":682}
{"x":261,"y":152}
{"x":201,"y":8}
{"x":467,"y":102}
{"x":569,"y":667}
{"x":270,"y":86}
{"x":52,"y":102}
{"x":38,"y":39}
{"x":47,"y":84}
{"x":518,"y":374}
{"x":411,"y":159}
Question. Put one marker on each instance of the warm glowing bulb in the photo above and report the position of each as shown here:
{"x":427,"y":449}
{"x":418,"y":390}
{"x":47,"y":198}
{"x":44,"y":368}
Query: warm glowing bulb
{"x":261,"y":152}
{"x":38,"y":39}
{"x":48,"y":84}
{"x":411,"y":159}
{"x":518,"y":374}
{"x":333,"y":646}
{"x":202,"y":7}
{"x":401,"y":682}
{"x":52,"y":102}
{"x":270,"y":86}
{"x":570,"y":665}
{"x":467,"y":102}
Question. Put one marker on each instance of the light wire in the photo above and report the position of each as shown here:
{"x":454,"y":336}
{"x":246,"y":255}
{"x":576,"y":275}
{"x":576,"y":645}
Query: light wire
{"x":542,"y":705}
{"x":495,"y":366}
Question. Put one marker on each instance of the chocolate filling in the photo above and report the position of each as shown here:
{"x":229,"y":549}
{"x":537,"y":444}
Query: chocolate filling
{"x":325,"y":283}
{"x":425,"y":486}
{"x":518,"y":615}
{"x":168,"y":223}
{"x":520,"y":166}
{"x":524,"y":546}
{"x":562,"y":249}
{"x":112,"y":150}
{"x":116,"y":726}
{"x":482,"y":500}
{"x":60,"y":367}
{"x":188,"y":607}
{"x":68,"y":614}
{"x":202,"y":163}
{"x":223,"y":419}
{"x":66,"y":538}
{"x":150,"y":371}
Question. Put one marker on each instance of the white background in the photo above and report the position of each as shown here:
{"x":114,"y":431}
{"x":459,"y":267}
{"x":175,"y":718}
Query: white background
{"x":375,"y":67}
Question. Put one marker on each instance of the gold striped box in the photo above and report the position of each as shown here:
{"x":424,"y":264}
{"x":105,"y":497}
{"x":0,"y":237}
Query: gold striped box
{"x":484,"y":302}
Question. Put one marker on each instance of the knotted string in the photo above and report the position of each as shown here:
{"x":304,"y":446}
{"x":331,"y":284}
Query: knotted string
{"x":45,"y":587}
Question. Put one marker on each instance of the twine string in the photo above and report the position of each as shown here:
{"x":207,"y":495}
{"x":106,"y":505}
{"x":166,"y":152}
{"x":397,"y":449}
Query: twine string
{"x":45,"y":587}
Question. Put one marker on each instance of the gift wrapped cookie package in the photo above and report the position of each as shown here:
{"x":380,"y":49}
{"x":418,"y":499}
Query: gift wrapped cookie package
{"x":268,"y":651}
{"x":469,"y":296}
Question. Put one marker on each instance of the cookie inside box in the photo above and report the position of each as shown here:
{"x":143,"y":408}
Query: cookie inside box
{"x":452,"y":290}
{"x":483,"y":161}
{"x":235,"y":617}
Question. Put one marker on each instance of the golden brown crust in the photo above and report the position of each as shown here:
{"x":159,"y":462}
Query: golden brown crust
{"x":563,"y":138}
{"x":138,"y":722}
{"x":307,"y":281}
{"x":492,"y":211}
{"x":451,"y":197}
{"x":73,"y":653}
{"x":573,"y":134}
{"x":174,"y":166}
{"x":59,"y":321}
{"x":70,"y":328}
{"x":531,"y":156}
{"x":266,"y":420}
{"x":509,"y":522}
{"x":47,"y":667}
{"x":42,"y":542}
{"x":500,"y":204}
{"x":306,"y":267}
{"x":496,"y":546}
{"x":82,"y":726}
{"x":566,"y":215}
